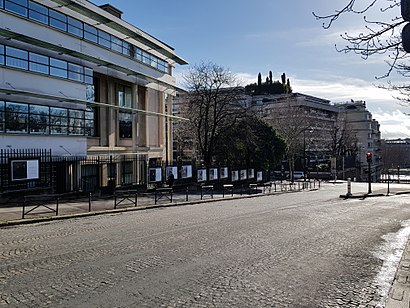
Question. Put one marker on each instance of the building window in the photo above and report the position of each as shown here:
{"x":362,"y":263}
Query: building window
{"x":16,"y":118}
{"x":58,"y":68}
{"x":38,"y":12}
{"x":116,"y":44}
{"x":75,"y":72}
{"x":125,"y":124}
{"x":125,"y":117}
{"x":58,"y":120}
{"x":90,"y":121}
{"x":75,"y":27}
{"x":2,"y":116}
{"x":126,"y":172}
{"x":76,"y":122}
{"x":1,"y":54}
{"x":16,"y":58}
{"x":34,"y":62}
{"x":104,"y":39}
{"x":17,"y":6}
{"x":39,"y":63}
{"x":43,"y":14}
{"x":39,"y":119}
{"x":90,"y":33}
{"x":58,"y":20}
{"x":124,"y":96}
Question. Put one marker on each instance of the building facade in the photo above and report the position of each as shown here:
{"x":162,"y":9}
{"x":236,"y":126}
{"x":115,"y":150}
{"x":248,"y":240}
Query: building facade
{"x":77,"y":79}
{"x":367,"y":131}
{"x":396,"y":153}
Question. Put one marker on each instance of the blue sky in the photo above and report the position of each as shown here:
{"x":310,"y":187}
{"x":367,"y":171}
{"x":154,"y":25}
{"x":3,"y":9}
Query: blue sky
{"x":249,"y":37}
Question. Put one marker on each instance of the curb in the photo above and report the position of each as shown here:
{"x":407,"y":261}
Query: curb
{"x":364,"y":196}
{"x":399,"y":294}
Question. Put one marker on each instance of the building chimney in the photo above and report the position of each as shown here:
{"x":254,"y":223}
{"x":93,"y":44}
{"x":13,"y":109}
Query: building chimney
{"x":112,"y":10}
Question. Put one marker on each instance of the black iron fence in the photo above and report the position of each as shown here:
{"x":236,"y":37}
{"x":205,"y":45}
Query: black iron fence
{"x":37,"y":171}
{"x":28,"y":172}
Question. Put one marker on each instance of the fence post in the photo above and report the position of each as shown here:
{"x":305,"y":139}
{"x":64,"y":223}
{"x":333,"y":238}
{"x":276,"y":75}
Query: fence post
{"x":89,"y":202}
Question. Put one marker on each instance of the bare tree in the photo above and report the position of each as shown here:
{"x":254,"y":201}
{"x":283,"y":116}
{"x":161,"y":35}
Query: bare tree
{"x":343,"y":140}
{"x":292,"y":123}
{"x":212,"y":104}
{"x":381,"y":36}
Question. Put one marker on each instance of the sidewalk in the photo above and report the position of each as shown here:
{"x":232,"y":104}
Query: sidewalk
{"x":13,"y":213}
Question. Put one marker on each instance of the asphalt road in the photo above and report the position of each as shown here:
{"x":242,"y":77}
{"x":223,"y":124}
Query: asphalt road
{"x":305,"y":249}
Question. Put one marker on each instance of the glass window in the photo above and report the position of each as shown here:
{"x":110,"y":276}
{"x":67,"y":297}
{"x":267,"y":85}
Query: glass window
{"x":58,"y":68}
{"x":58,"y":120}
{"x":1,"y":4}
{"x":38,"y":12}
{"x":38,"y":109}
{"x":104,"y":39}
{"x":2,"y":116}
{"x":38,"y":124}
{"x":16,"y":58}
{"x":90,"y":33}
{"x":59,"y":112}
{"x":1,"y":54}
{"x":17,"y":6}
{"x":76,"y":122}
{"x":88,"y":78}
{"x":16,"y":117}
{"x":138,"y":55}
{"x":75,"y":27}
{"x":116,"y":44}
{"x":38,"y":63}
{"x":75,"y":72}
{"x":90,"y":123}
{"x":126,"y":172}
{"x":128,"y":49}
{"x":58,"y":20}
{"x":124,"y":96}
{"x":125,"y":124}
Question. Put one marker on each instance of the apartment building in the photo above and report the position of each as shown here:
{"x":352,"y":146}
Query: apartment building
{"x":368,"y":136}
{"x":77,"y":79}
{"x":312,"y":120}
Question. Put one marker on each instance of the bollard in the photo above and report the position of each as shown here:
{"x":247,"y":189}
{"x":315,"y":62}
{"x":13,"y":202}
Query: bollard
{"x":186,"y":194}
{"x":89,"y":202}
{"x":349,"y":187}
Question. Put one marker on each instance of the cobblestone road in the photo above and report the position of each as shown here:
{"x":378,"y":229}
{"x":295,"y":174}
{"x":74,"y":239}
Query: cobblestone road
{"x":307,"y":249}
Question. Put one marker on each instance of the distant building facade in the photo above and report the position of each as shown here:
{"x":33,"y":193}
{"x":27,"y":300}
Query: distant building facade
{"x":396,"y":153}
{"x":368,"y":136}
{"x":77,"y":79}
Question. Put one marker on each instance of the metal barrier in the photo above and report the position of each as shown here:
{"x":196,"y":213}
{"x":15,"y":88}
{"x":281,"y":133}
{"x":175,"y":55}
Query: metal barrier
{"x":165,"y":192}
{"x":125,"y":197}
{"x":37,"y":201}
